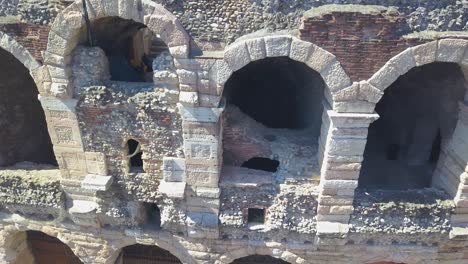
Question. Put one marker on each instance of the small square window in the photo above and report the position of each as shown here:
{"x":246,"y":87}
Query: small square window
{"x":256,"y":216}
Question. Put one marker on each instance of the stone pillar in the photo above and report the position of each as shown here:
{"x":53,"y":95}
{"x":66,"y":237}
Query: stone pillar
{"x":203,"y":159}
{"x":452,"y":170}
{"x":83,"y":173}
{"x":344,"y":148}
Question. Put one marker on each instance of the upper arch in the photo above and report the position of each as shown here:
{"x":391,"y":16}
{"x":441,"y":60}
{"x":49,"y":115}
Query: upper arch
{"x":444,"y":50}
{"x":66,"y":32}
{"x":241,"y":53}
{"x":287,"y":256}
{"x":172,"y":246}
{"x":22,"y":54}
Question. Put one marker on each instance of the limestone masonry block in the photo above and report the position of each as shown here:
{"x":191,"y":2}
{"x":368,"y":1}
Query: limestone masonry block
{"x":403,"y":62}
{"x":320,"y":59}
{"x":174,"y":190}
{"x":96,"y":183}
{"x":300,"y":50}
{"x":188,"y":98}
{"x":384,"y":77}
{"x":278,"y":46}
{"x":451,"y":50}
{"x":187,"y":77}
{"x":256,"y":48}
{"x":237,"y":56}
{"x":174,"y":169}
{"x":369,"y":93}
{"x":200,"y":114}
{"x":425,"y":53}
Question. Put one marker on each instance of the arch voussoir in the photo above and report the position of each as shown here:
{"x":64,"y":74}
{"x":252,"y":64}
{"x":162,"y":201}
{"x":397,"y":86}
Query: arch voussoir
{"x":241,"y":53}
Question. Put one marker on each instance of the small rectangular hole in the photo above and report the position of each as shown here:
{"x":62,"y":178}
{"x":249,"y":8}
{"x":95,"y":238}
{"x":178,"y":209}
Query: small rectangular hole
{"x":256,"y":216}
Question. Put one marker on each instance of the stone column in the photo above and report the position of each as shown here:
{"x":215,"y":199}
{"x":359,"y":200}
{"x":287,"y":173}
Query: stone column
{"x":203,"y":159}
{"x":344,"y":148}
{"x":452,"y":169}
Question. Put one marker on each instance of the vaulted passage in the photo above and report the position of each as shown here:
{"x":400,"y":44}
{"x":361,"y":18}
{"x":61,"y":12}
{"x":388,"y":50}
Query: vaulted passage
{"x":141,"y":254}
{"x":46,"y":249}
{"x":259,"y":259}
{"x":129,"y":46}
{"x":418,"y":114}
{"x":278,"y":92}
{"x":23,"y":133}
{"x":274,"y":109}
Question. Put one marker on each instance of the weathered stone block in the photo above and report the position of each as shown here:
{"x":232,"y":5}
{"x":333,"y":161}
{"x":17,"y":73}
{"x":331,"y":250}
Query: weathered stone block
{"x":174,"y":190}
{"x":301,"y":50}
{"x":211,"y":101}
{"x":384,"y":77}
{"x":403,"y":62}
{"x":347,"y":147}
{"x":96,"y":183}
{"x":174,"y":169}
{"x":188,"y":98}
{"x":451,"y":50}
{"x":320,"y":59}
{"x":278,"y":46}
{"x":237,"y":56}
{"x":335,"y":77}
{"x":187,"y":77}
{"x":425,"y":53}
{"x":256,"y":48}
{"x":200,"y":114}
{"x":339,"y":184}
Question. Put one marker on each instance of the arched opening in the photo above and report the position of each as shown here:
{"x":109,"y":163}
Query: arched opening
{"x":129,"y":46}
{"x":418,"y":114}
{"x":259,"y":259}
{"x":134,"y":154}
{"x":264,"y":164}
{"x":151,"y":215}
{"x":35,"y":247}
{"x":139,"y":254}
{"x":24,"y":131}
{"x":274,"y":109}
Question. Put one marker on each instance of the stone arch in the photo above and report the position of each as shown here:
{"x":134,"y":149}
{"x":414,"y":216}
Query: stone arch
{"x":453,"y":51}
{"x":241,"y":53}
{"x":171,"y":245}
{"x":444,"y":50}
{"x":13,"y":236}
{"x":22,"y":54}
{"x":285,"y":255}
{"x":65,"y":34}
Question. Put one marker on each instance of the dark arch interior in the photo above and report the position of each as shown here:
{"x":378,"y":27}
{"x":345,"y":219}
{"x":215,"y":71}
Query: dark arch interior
{"x":136,"y":162}
{"x":278,"y":92}
{"x":146,"y":254}
{"x":47,"y":249}
{"x":259,"y":259}
{"x":259,"y":163}
{"x":129,"y":46}
{"x":22,"y":120}
{"x":418,"y":114}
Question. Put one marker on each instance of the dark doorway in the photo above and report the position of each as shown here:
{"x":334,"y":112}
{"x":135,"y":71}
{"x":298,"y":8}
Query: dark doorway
{"x":264,"y":164}
{"x":418,"y":114}
{"x":135,"y":154}
{"x":259,"y":259}
{"x":50,"y":250}
{"x":129,"y":46}
{"x":23,"y":125}
{"x":278,"y":92}
{"x":141,"y":254}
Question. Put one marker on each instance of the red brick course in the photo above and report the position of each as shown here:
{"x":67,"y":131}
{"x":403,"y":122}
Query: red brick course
{"x":363,"y":43}
{"x":30,"y":36}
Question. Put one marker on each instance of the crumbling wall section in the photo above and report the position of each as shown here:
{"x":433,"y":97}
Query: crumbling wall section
{"x":147,"y":114}
{"x":35,"y":194}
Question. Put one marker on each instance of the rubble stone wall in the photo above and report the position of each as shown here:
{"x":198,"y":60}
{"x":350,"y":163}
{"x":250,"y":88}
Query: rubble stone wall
{"x":96,"y":203}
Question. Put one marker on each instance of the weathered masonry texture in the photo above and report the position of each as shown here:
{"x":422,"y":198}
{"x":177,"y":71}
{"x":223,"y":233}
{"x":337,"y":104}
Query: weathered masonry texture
{"x":233,"y":132}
